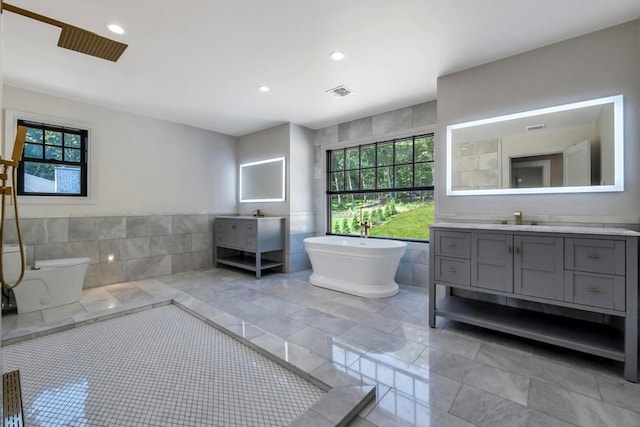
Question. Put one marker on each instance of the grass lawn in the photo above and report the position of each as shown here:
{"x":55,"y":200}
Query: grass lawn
{"x":412,"y":224}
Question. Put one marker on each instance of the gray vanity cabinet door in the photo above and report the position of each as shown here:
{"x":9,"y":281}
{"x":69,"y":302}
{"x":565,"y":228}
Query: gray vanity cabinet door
{"x":539,"y":266}
{"x":492,"y":261}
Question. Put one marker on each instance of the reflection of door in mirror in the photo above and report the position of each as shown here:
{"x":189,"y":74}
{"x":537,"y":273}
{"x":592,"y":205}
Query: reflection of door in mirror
{"x":576,"y":164}
{"x":530,"y":174}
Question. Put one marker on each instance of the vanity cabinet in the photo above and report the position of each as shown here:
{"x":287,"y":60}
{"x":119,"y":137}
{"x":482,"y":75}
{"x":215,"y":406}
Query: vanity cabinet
{"x":250,"y":243}
{"x":594,"y":270}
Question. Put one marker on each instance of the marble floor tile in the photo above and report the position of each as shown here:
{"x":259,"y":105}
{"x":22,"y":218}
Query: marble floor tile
{"x":338,"y":403}
{"x":327,"y":322}
{"x":289,"y":352}
{"x":620,"y":392}
{"x":578,"y":409}
{"x":101,"y":304}
{"x":370,"y":305}
{"x":19,"y":321}
{"x":63,"y":312}
{"x":93,"y":294}
{"x":370,"y":320}
{"x":327,"y":345}
{"x":501,"y":383}
{"x":413,"y":333}
{"x":277,"y":324}
{"x":418,"y":383}
{"x":384,"y":343}
{"x":485,"y":409}
{"x":454,"y":343}
{"x":443,"y":362}
{"x":277,"y":304}
{"x":417,"y":413}
{"x":515,"y":361}
{"x":335,"y":374}
{"x":403,"y":314}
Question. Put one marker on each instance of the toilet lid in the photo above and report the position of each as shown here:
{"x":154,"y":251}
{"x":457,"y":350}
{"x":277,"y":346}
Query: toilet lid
{"x":63,"y":262}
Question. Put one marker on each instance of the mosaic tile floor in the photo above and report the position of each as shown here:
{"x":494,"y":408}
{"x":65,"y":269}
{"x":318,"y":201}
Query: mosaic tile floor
{"x":450,"y":376}
{"x":156,"y":367}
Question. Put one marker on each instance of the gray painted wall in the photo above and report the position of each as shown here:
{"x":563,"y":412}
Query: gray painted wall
{"x":595,"y":65}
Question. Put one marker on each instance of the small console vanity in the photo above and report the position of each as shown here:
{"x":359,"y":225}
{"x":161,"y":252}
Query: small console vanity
{"x":251,"y":243}
{"x":590,"y":269}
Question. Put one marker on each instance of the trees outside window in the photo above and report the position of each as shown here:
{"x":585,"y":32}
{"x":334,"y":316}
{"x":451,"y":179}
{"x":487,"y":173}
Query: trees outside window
{"x":388,"y":184}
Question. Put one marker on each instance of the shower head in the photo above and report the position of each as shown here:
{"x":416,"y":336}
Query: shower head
{"x":76,"y":39}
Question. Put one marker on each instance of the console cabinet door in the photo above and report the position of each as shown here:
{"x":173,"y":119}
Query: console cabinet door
{"x":539,"y":266}
{"x":492,"y":261}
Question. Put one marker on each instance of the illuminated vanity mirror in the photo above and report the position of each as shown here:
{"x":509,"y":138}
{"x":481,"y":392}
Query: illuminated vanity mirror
{"x":569,"y":148}
{"x":263,"y":181}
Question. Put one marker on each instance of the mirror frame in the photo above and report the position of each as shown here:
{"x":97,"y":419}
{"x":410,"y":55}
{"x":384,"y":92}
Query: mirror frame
{"x":618,"y":135}
{"x":281,"y":196}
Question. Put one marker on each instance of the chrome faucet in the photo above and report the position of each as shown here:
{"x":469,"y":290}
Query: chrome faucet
{"x":518,"y":217}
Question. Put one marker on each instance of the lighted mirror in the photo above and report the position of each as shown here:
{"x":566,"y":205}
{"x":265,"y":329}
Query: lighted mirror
{"x":263,"y":181}
{"x":569,"y":148}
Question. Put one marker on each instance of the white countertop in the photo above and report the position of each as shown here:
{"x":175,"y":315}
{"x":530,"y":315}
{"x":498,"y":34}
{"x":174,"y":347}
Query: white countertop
{"x":539,"y":228}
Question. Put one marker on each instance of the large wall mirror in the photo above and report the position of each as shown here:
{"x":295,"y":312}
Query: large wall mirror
{"x":263,"y":181}
{"x":569,"y":148}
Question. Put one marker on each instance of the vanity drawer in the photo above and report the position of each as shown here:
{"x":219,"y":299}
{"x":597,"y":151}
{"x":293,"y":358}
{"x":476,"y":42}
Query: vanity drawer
{"x":453,"y":270}
{"x":251,"y":228}
{"x":453,"y":244}
{"x":250,"y":243}
{"x":596,"y":290}
{"x":595,"y":255}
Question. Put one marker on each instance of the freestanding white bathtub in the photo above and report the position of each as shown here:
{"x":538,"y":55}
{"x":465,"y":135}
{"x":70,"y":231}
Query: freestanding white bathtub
{"x":363,"y":267}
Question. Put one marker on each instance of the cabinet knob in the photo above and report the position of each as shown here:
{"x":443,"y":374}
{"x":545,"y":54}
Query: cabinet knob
{"x":593,"y":255}
{"x":509,"y":249}
{"x":451,"y":244}
{"x":594,"y":290}
{"x":517,"y":250}
{"x":452,"y":270}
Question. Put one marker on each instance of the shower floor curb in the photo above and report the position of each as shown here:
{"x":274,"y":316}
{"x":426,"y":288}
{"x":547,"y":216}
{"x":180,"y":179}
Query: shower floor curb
{"x":345,"y":396}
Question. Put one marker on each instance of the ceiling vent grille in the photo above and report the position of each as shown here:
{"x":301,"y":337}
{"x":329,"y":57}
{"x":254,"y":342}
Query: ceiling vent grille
{"x":340,"y":91}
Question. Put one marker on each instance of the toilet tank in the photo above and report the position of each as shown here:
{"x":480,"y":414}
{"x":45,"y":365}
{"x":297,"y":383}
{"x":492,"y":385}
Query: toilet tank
{"x":11,"y":262}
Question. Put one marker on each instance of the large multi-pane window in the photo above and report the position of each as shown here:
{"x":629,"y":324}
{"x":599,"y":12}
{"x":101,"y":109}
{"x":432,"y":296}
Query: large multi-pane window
{"x":388,"y":184}
{"x":54,"y":161}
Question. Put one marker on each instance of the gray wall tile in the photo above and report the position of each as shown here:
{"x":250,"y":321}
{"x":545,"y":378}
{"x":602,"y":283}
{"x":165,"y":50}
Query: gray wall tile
{"x":105,"y":274}
{"x":201,"y":241}
{"x":144,"y":226}
{"x":404,"y":274}
{"x":148,"y":267}
{"x":125,"y":249}
{"x":392,"y":121}
{"x":326,"y":136}
{"x":98,"y":228}
{"x":68,"y":250}
{"x":420,"y":275}
{"x":355,"y":129}
{"x":183,"y":262}
{"x":183,"y":224}
{"x":37,"y":231}
{"x":175,"y":244}
{"x":425,"y":114}
{"x":299,"y":262}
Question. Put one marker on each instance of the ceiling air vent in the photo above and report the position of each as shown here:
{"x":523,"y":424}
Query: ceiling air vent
{"x":340,"y":91}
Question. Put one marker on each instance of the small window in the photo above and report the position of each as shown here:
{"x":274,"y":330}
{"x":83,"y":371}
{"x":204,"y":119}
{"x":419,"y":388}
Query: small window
{"x":54,"y":161}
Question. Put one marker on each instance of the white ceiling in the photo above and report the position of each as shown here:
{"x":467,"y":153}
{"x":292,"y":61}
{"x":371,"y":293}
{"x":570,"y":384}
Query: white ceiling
{"x":200,"y":62}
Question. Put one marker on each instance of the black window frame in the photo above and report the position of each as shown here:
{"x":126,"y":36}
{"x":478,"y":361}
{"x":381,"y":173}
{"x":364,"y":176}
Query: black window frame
{"x":331,"y":192}
{"x":83,"y":164}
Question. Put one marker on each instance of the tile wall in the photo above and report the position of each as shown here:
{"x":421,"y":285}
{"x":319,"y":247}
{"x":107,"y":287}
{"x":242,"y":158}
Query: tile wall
{"x":143,"y":246}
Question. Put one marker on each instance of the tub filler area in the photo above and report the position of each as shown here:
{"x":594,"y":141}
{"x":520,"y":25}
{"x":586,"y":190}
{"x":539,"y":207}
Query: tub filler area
{"x":354,"y":265}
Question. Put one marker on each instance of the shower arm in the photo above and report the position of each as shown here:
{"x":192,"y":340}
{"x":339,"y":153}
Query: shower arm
{"x":9,"y":167}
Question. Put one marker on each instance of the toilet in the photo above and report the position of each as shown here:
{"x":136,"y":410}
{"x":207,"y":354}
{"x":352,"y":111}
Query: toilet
{"x":47,"y":284}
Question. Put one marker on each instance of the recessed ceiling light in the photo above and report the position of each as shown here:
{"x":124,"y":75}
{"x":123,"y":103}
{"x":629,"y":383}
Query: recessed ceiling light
{"x":337,"y":55}
{"x":263,"y":88}
{"x":115,"y":28}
